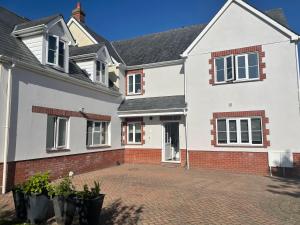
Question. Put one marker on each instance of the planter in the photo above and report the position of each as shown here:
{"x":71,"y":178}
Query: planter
{"x":20,"y":205}
{"x":89,"y":210}
{"x":38,"y":208}
{"x":64,"y":209}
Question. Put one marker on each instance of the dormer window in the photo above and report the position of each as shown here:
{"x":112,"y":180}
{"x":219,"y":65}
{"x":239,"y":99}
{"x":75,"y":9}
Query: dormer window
{"x":56,"y":51}
{"x":100,"y":72}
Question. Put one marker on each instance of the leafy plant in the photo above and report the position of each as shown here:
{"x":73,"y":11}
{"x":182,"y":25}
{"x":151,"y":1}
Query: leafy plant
{"x":18,"y":188}
{"x":89,"y":193}
{"x":37,"y":184}
{"x":63,"y":188}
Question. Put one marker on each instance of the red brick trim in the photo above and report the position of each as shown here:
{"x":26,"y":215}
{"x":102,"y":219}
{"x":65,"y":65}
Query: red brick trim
{"x":140,"y":71}
{"x":68,"y":113}
{"x":238,"y":162}
{"x":142,"y":156}
{"x":124,"y":129}
{"x":257,"y":48}
{"x":260,"y":113}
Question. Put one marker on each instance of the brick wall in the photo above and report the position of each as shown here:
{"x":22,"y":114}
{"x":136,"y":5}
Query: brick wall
{"x":241,"y":162}
{"x":296,"y":171}
{"x":1,"y":173}
{"x":145,"y":155}
{"x":60,"y":166}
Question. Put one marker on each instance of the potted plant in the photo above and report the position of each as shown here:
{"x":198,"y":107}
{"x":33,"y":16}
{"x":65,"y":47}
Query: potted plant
{"x":37,"y":199}
{"x":19,"y":201}
{"x":63,"y":201}
{"x":89,"y":203}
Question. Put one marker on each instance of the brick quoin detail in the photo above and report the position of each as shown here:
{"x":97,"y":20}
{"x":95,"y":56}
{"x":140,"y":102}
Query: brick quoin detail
{"x":260,"y":113}
{"x":238,"y":162}
{"x":59,"y":166}
{"x":67,"y":113}
{"x":124,"y":129}
{"x":140,"y":71}
{"x":257,"y":48}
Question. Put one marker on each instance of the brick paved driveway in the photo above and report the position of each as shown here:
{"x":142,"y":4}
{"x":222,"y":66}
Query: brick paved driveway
{"x":142,"y":194}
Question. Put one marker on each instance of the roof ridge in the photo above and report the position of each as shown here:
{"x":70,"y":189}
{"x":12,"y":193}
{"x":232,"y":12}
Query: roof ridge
{"x":161,"y":32}
{"x":54,"y":16}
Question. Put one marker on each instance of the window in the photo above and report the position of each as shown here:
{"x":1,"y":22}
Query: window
{"x":134,"y":84}
{"x":239,"y":131}
{"x":100,"y":72}
{"x":57,"y":129}
{"x":56,"y":51}
{"x":97,"y":133}
{"x":237,"y":68}
{"x":134,"y":133}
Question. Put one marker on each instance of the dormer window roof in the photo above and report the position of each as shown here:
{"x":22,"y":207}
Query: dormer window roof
{"x":89,"y":51}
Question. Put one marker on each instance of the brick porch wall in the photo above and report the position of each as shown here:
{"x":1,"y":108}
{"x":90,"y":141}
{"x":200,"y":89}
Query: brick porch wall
{"x":140,"y":156}
{"x":59,"y":166}
{"x":241,"y":162}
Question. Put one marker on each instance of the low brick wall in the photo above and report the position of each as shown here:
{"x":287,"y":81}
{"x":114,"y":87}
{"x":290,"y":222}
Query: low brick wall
{"x":140,"y":156}
{"x":241,"y":162}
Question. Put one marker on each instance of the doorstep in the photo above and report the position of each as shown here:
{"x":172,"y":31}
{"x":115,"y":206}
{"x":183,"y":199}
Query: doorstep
{"x":171,"y":164}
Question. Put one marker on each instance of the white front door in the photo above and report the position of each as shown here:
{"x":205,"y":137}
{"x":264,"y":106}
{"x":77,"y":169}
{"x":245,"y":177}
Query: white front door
{"x":170,"y":146}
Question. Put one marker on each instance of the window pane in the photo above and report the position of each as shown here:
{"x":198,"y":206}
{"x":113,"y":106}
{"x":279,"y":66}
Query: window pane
{"x":220,"y":76}
{"x":222,"y":138}
{"x":222,"y":134}
{"x":138,"y":132}
{"x":96,"y":138}
{"x":62,"y":132}
{"x":138,"y":137}
{"x":104,"y":133}
{"x":130,"y":137}
{"x":221,"y":125}
{"x":50,"y":132}
{"x":52,"y":46}
{"x":244,"y":131}
{"x":130,"y":84}
{"x":61,"y":52}
{"x":98,"y":65}
{"x":256,"y":124}
{"x":220,"y":69}
{"x":89,"y":133}
{"x":130,"y":132}
{"x":219,"y":64}
{"x":232,"y":131}
{"x":229,"y":68}
{"x":256,"y":131}
{"x":253,"y":72}
{"x":51,"y":56}
{"x":137,"y":128}
{"x":252,"y":59}
{"x":52,"y":43}
{"x":97,"y":126}
{"x":241,"y":67}
{"x":137,"y":83}
{"x":242,"y":73}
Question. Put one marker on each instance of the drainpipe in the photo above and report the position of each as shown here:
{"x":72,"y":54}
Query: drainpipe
{"x":6,"y":129}
{"x":187,"y":162}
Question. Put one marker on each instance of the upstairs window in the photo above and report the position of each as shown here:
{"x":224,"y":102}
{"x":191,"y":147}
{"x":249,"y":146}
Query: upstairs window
{"x":232,"y":68}
{"x":97,"y":133}
{"x":100,"y":72}
{"x":56,"y":51}
{"x":240,"y":131}
{"x":134,"y":82}
{"x":57,"y":130}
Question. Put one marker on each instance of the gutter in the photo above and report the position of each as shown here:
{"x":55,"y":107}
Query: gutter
{"x":60,"y":76}
{"x":153,"y":65}
{"x":6,"y":129}
{"x":29,"y":31}
{"x":151,"y":112}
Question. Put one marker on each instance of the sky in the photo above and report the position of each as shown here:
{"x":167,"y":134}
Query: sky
{"x":125,"y":19}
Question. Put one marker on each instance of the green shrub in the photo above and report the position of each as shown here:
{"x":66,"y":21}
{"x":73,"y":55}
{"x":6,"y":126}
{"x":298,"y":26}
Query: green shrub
{"x":37,"y":184}
{"x":63,"y":188}
{"x":89,"y":193}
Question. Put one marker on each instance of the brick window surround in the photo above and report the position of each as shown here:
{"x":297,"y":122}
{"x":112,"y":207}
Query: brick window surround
{"x":124,"y":129}
{"x":68,"y":113}
{"x":257,"y":48}
{"x":260,"y":113}
{"x":140,"y":71}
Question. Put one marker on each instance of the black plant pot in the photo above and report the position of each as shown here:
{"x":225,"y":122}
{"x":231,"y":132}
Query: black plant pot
{"x":38,"y":208}
{"x":20,"y":205}
{"x":64,"y":209}
{"x":89,"y":210}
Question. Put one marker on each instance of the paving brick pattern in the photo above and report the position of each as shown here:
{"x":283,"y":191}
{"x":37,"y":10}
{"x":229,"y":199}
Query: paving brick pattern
{"x":150,"y":194}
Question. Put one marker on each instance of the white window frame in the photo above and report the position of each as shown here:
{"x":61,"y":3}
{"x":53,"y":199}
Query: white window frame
{"x":100,"y":133}
{"x":134,"y":132}
{"x":57,"y":52}
{"x":238,"y":124}
{"x":134,"y":92}
{"x":226,"y":79}
{"x":246,"y":55}
{"x":56,"y":133}
{"x":101,"y":73}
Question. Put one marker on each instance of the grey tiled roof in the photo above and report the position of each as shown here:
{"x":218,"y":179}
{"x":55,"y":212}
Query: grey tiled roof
{"x":158,"y":47}
{"x":33,"y":23}
{"x":101,"y":39}
{"x":155,"y":103}
{"x":13,"y":47}
{"x":75,"y":51}
{"x":277,"y":15}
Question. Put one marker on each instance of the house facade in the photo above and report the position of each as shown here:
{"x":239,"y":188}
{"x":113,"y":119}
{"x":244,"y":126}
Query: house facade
{"x":223,"y":95}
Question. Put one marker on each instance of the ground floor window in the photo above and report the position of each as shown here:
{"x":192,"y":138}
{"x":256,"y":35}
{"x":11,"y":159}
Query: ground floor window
{"x":134,"y":133}
{"x":240,"y":131}
{"x":97,"y":133}
{"x":57,"y":132}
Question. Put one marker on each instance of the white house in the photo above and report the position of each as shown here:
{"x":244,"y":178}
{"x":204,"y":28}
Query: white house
{"x":223,"y":95}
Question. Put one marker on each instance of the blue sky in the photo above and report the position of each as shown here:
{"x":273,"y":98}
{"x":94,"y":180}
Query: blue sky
{"x":123,"y":19}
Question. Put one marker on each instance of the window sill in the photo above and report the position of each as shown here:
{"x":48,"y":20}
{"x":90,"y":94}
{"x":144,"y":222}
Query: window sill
{"x":236,"y":82}
{"x":134,"y":143}
{"x":55,"y":150}
{"x":97,"y":146}
{"x":239,"y":146}
{"x":134,"y":94}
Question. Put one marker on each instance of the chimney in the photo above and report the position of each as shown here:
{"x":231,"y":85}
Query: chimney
{"x":78,"y":13}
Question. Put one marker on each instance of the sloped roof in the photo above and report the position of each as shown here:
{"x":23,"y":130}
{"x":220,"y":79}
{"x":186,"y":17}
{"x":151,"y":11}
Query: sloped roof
{"x":33,"y":23}
{"x":89,"y":49}
{"x":13,"y":47}
{"x":277,"y":15}
{"x":154,"y":103}
{"x":158,"y":47}
{"x":101,"y":39}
